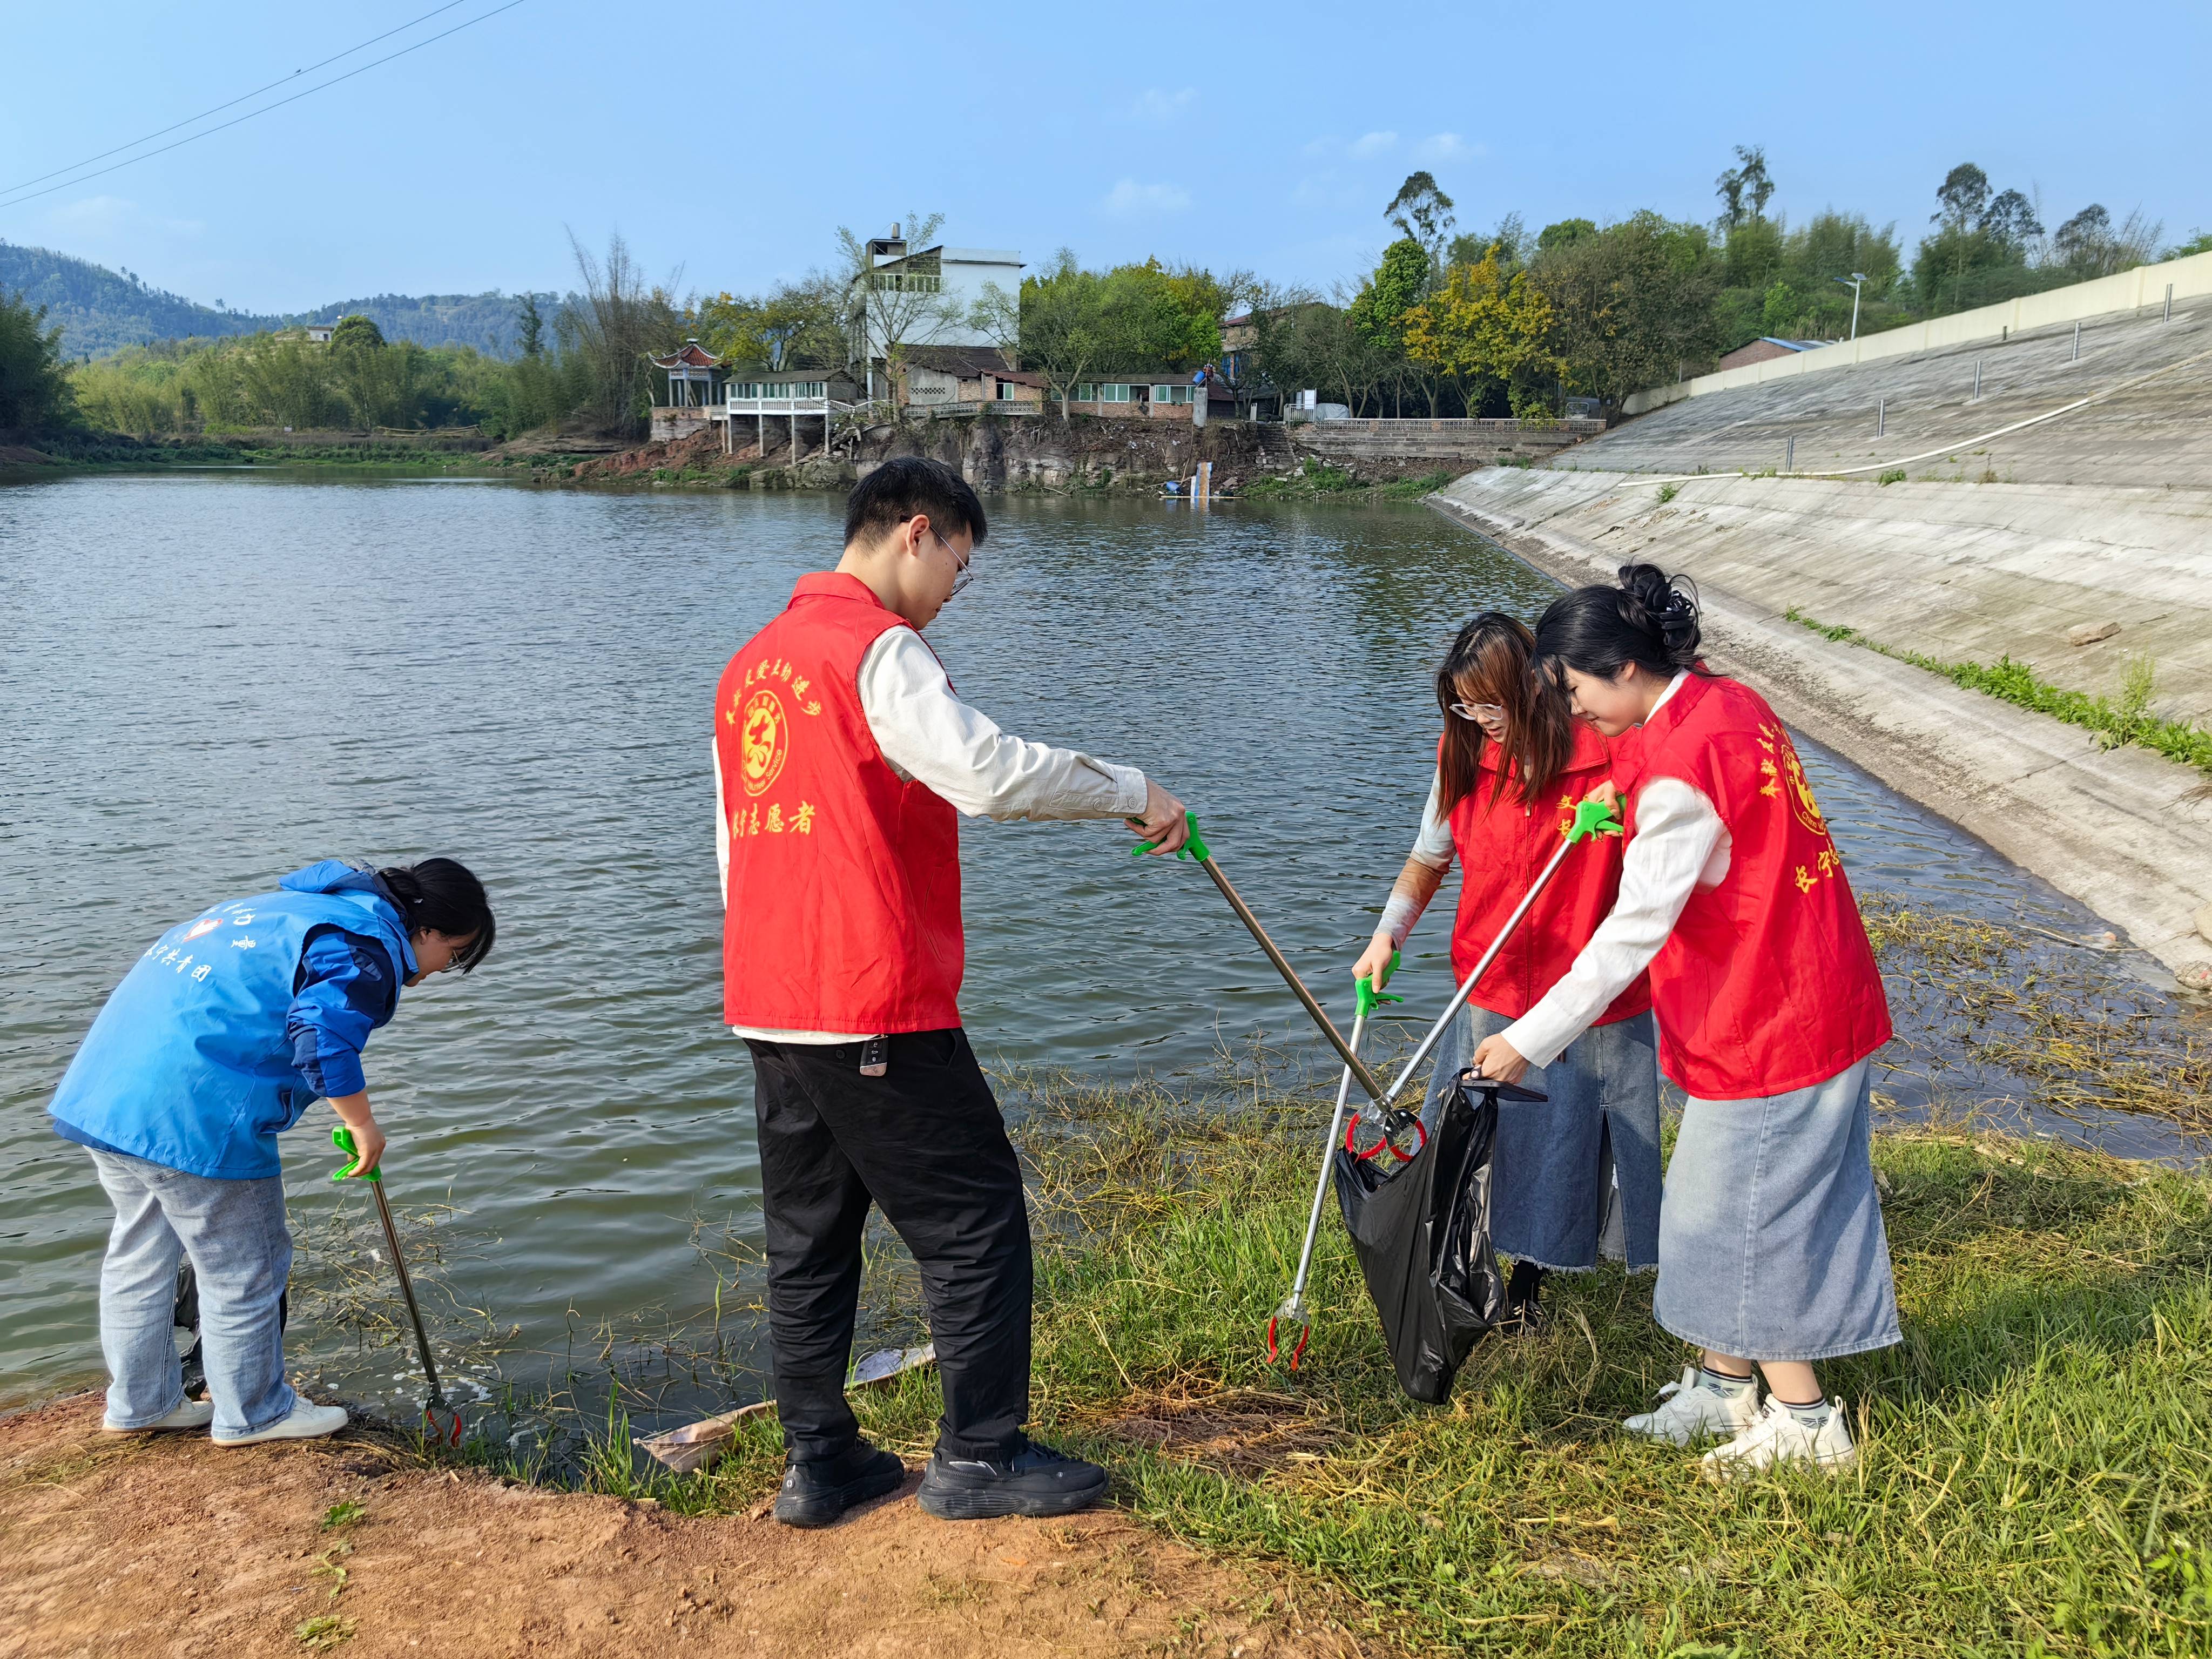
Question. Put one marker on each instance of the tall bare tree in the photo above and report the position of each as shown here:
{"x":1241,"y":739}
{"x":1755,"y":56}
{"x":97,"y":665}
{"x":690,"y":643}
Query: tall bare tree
{"x":617,"y":323}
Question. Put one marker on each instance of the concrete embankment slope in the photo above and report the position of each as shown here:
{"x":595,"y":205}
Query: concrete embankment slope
{"x":1955,"y":571}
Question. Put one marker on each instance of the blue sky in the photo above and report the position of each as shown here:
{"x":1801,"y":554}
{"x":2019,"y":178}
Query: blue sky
{"x":731,"y":140}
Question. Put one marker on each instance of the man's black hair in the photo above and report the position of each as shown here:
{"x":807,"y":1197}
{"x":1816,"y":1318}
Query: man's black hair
{"x":905,"y":486}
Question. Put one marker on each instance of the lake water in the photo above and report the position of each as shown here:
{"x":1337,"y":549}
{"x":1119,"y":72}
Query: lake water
{"x":211,"y":680}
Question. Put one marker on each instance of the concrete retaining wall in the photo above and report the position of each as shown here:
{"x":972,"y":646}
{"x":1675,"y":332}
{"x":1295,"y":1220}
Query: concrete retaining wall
{"x":1465,"y":442}
{"x":2131,"y":290}
{"x":1955,"y":572}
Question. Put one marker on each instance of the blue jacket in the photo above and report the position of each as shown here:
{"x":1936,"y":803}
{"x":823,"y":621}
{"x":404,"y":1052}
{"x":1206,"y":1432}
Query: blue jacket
{"x":207,"y":1050}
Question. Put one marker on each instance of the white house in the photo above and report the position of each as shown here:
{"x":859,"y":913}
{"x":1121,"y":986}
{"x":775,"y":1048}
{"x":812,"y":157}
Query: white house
{"x":923,"y":296}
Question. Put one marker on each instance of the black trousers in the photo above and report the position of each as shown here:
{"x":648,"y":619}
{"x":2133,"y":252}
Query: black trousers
{"x":925,"y":1143}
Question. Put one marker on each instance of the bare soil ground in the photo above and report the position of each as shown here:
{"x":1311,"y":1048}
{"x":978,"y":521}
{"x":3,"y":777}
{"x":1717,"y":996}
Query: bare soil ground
{"x":168,"y":1545}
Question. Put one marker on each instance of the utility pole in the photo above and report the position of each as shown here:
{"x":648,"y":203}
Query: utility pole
{"x":1853,"y":282}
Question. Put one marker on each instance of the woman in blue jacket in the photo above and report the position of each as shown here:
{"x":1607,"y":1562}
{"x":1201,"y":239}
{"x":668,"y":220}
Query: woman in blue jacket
{"x":223,"y":1033}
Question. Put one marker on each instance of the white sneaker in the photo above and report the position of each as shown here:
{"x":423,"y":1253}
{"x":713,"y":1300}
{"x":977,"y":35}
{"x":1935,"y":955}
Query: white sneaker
{"x":192,"y":1414}
{"x":1778,"y":1437}
{"x":306,"y":1422}
{"x":1689,"y":1411}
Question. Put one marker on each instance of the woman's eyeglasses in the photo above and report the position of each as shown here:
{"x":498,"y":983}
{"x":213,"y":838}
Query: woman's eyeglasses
{"x":1484,"y":713}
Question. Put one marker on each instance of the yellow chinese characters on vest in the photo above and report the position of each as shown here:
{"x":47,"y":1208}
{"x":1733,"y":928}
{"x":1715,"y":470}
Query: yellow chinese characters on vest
{"x":761,"y":710}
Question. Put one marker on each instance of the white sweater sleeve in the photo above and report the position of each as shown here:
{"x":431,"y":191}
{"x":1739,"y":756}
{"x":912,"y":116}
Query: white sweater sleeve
{"x":721,"y":829}
{"x":1679,"y":845}
{"x":930,"y":736}
{"x":1432,"y":847}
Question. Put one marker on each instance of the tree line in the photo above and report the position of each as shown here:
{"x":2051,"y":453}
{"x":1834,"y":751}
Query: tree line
{"x":1504,"y":322}
{"x":1450,"y":321}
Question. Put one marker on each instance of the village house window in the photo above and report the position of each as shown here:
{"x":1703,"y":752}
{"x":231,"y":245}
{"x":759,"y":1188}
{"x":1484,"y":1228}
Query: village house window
{"x":1114,"y":393}
{"x":1171,"y":394}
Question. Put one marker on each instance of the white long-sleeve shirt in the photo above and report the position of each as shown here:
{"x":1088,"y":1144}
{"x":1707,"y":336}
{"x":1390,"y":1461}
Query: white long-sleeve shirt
{"x":1681,"y":846}
{"x":928,"y":735}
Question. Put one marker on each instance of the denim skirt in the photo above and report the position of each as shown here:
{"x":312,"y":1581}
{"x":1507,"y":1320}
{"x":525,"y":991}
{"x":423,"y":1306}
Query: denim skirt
{"x":1583,"y":1165}
{"x":1771,"y":1243}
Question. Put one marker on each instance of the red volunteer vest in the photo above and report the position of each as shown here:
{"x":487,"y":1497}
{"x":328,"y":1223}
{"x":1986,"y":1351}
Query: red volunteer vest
{"x":844,"y":891}
{"x":1767,"y":983}
{"x":1503,"y":844}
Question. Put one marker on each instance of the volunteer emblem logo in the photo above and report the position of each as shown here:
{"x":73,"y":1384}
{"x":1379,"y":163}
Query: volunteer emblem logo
{"x":1801,"y":792}
{"x":203,"y":927}
{"x":764,"y":739}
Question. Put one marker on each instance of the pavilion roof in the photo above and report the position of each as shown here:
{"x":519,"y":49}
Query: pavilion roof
{"x":691,"y":355}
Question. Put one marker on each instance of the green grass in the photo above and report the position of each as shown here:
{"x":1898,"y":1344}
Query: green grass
{"x":2036,"y":1474}
{"x":1668,"y":492}
{"x":1314,"y":481}
{"x":2129,"y":720}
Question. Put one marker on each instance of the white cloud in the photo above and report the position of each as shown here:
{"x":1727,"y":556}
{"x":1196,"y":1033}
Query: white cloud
{"x":1321,"y":146}
{"x":1374,"y":143}
{"x":1132,"y":199}
{"x":1445,"y":147}
{"x":1159,"y":107}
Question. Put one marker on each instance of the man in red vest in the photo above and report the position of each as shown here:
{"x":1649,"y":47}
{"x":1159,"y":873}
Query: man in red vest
{"x":842,"y":758}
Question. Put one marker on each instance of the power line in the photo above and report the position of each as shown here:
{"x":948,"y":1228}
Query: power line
{"x":67,"y":184}
{"x":149,"y":138}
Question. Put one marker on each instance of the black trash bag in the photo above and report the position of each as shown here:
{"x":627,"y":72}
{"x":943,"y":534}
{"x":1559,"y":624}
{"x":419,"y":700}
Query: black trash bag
{"x":1421,"y":1230}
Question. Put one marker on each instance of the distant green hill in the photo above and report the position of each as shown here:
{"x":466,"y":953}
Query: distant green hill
{"x":101,"y":310}
{"x":485,"y":321}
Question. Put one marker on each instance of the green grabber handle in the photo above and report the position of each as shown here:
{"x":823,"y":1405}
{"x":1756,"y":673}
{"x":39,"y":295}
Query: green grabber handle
{"x":1371,"y":996}
{"x":1593,"y":817}
{"x":342,"y":1137}
{"x":1195,"y":848}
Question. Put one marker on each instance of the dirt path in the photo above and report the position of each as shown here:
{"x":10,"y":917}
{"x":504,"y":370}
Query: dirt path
{"x":166,"y":1545}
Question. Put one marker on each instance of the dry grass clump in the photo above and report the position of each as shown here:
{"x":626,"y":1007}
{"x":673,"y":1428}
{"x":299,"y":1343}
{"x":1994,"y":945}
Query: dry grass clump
{"x":1993,"y":1011}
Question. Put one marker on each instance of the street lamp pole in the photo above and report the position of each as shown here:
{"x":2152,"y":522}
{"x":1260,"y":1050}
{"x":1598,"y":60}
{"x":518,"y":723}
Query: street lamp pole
{"x":1852,"y":282}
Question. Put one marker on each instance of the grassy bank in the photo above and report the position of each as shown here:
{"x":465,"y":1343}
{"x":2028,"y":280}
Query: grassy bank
{"x":2129,"y":720}
{"x":1315,"y":481}
{"x":2037,"y":1469}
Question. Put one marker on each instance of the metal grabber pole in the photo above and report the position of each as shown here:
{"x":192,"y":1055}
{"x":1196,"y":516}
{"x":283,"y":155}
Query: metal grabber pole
{"x":1294,"y":1309}
{"x":342,"y":1137}
{"x":1195,"y":848}
{"x":1593,"y":817}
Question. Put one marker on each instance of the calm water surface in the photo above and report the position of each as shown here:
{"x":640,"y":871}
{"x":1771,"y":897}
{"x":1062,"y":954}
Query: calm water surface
{"x":210,"y":680}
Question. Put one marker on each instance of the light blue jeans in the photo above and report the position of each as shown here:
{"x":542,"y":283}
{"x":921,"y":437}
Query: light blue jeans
{"x":1567,"y":1167}
{"x":234,"y":1233}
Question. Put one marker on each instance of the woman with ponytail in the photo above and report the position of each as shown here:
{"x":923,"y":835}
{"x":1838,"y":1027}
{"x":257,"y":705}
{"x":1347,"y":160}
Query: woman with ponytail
{"x":1510,"y":765}
{"x":223,"y":1033}
{"x":1769,"y":1008}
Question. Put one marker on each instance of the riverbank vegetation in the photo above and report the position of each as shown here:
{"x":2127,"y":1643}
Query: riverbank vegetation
{"x":2130,"y":720}
{"x":2034,"y":1477}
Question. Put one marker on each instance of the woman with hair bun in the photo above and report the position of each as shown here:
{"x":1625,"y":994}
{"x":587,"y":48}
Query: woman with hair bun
{"x":1510,"y":765}
{"x":1770,"y":1009}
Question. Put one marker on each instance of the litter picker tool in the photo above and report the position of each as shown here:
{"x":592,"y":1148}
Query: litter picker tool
{"x":343,"y":1139}
{"x":1196,"y":848}
{"x":1593,"y":817}
{"x":1294,"y":1311}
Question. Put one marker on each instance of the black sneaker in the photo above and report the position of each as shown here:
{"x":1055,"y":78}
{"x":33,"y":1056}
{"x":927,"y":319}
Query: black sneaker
{"x":818,"y":1490}
{"x":1524,"y":1311}
{"x":1034,"y":1480}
